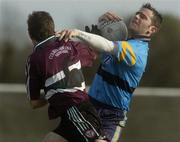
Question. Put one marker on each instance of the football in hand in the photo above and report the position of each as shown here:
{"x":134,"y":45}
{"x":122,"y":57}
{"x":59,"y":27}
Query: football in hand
{"x":113,"y":30}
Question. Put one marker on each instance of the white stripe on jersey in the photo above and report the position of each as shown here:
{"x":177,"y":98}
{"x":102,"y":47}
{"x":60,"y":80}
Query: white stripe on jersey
{"x":60,"y":75}
{"x":75,"y":66}
{"x":51,"y":92}
{"x":57,"y":77}
{"x":83,"y":86}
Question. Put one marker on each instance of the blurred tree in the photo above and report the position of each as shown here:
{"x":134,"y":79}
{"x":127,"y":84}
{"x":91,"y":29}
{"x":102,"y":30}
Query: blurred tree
{"x":163,"y":67}
{"x":6,"y":61}
{"x":13,"y":61}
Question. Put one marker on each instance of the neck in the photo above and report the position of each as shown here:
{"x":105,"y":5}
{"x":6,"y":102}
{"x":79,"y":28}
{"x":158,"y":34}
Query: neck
{"x":138,"y":36}
{"x":34,"y":42}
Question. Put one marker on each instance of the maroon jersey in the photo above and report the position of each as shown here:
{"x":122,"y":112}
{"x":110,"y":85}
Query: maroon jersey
{"x":55,"y":66}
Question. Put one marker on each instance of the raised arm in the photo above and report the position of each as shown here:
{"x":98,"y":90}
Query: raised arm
{"x":109,"y":16}
{"x":95,"y":41}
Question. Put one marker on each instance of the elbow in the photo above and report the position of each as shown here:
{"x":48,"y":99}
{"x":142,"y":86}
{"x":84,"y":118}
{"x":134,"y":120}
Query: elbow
{"x":38,"y":103}
{"x":109,"y":50}
{"x":34,"y":106}
{"x":109,"y":47}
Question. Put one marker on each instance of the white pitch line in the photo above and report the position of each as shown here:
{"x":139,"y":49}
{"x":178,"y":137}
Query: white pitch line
{"x":140,"y":91}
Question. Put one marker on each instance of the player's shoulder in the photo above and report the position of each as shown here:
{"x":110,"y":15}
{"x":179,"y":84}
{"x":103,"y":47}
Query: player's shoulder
{"x":84,"y":53}
{"x":77,"y":44}
{"x":32,"y":59}
{"x":125,"y":43}
{"x":80,"y":47}
{"x":133,"y":43}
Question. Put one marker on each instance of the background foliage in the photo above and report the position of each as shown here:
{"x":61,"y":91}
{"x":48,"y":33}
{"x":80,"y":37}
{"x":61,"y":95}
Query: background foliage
{"x":162,"y":69}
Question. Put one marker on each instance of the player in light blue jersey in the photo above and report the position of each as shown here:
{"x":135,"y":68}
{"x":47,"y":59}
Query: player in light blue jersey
{"x":122,"y":66}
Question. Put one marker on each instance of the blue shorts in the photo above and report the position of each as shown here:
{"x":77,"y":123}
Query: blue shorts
{"x":112,"y":119}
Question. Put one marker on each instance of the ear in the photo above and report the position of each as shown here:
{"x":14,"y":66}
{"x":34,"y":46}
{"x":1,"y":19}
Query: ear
{"x":153,"y":29}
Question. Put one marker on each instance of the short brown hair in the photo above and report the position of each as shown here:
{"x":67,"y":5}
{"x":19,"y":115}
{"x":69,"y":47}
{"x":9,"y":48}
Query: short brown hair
{"x":40,"y":25}
{"x":157,"y":18}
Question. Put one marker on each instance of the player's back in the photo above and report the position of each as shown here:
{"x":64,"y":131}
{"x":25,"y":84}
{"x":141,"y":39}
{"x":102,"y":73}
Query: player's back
{"x":58,"y":67}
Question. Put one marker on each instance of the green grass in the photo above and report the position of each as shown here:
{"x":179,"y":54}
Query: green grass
{"x":19,"y":123}
{"x":151,"y":119}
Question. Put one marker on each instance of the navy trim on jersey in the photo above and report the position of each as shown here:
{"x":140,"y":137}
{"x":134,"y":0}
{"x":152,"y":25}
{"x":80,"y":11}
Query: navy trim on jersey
{"x":142,"y":38}
{"x":115,"y":80}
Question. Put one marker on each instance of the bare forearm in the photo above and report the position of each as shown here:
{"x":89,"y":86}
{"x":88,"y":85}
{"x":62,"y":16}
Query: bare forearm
{"x":38,"y":103}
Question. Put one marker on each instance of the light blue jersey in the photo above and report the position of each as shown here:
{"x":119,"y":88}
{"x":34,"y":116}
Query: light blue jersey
{"x":120,"y":73}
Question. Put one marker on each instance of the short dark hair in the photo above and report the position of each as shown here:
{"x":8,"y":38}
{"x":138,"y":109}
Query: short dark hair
{"x":157,"y":17}
{"x":40,"y":25}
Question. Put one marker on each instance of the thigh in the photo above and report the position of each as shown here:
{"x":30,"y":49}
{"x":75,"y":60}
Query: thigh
{"x":112,"y":131}
{"x":53,"y":137}
{"x":113,"y":122}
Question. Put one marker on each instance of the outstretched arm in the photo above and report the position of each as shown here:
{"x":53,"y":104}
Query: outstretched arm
{"x":95,"y":41}
{"x":38,"y":103}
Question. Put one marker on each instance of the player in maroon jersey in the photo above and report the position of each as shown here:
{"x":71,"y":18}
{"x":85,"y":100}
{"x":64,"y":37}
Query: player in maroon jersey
{"x":55,"y":67}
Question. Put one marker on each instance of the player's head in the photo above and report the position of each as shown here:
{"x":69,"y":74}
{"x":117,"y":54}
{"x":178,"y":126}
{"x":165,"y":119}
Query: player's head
{"x":146,"y":21}
{"x":40,"y":25}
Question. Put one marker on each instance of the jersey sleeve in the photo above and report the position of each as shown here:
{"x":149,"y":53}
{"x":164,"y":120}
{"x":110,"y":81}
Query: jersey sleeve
{"x":32,"y":80}
{"x":124,"y":52}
